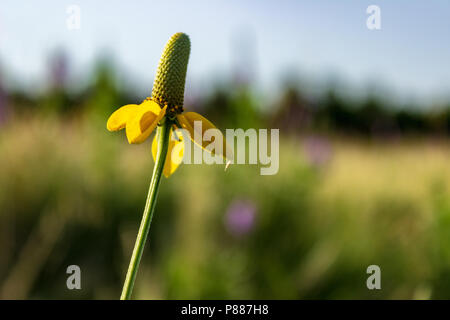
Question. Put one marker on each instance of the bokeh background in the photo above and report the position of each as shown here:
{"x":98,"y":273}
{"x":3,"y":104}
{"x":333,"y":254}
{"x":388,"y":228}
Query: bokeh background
{"x":364,"y":119}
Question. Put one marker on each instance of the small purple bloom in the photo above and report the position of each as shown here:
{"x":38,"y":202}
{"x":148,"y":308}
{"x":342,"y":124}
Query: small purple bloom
{"x":59,"y":69}
{"x":240,"y":217}
{"x":318,"y":150}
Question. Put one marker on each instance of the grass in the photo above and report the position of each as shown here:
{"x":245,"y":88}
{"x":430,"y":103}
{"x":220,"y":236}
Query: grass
{"x":71,"y":193}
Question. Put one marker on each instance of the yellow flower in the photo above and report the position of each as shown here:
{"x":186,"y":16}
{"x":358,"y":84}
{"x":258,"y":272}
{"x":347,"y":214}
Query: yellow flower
{"x":166,"y":104}
{"x":140,"y":120}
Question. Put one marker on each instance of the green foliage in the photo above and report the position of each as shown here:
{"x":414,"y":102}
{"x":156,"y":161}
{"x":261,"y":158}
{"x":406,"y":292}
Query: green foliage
{"x":70,"y":193}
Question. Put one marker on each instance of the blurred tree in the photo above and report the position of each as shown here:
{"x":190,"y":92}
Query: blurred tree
{"x":294,"y":114}
{"x":55,"y":99}
{"x":235,"y":108}
{"x":103,"y":95}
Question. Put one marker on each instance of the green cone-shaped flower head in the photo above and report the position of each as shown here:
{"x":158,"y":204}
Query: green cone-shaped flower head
{"x":168,"y":88}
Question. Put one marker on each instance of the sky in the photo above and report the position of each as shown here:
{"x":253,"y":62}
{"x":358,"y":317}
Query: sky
{"x":317,"y":40}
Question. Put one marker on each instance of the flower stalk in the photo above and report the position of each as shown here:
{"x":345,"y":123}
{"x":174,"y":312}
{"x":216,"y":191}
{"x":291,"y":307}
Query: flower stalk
{"x":163,"y":146}
{"x":168,"y":91}
{"x":163,"y":110}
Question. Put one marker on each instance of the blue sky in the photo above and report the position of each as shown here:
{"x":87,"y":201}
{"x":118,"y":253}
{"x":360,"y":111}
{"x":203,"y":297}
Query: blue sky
{"x":409,"y":56}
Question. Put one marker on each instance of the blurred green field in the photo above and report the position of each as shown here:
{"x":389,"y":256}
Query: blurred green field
{"x":72,"y":193}
{"x":364,"y":123}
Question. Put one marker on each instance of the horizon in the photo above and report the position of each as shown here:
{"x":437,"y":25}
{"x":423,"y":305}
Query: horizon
{"x":406,"y":59}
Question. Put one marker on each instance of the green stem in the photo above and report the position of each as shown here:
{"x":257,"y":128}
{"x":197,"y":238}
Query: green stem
{"x":163,"y":146}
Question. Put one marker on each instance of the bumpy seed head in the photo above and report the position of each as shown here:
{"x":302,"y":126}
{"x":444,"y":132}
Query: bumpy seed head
{"x":168,"y":88}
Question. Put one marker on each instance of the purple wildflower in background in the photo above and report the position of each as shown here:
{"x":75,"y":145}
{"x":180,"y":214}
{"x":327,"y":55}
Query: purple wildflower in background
{"x":240,"y":217}
{"x":59,"y":69}
{"x":318,"y":150}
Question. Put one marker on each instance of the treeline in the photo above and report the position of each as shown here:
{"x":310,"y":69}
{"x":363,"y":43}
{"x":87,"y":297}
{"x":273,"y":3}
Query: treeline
{"x":235,"y":105}
{"x":368,"y":116}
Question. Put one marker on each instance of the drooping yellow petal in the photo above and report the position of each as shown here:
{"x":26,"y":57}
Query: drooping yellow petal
{"x":188,"y":121}
{"x":144,"y":121}
{"x":174,"y":154}
{"x":119,"y":118}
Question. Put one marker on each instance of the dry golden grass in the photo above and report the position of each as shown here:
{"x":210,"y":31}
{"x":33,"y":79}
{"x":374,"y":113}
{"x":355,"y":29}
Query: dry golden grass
{"x":405,"y":170}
